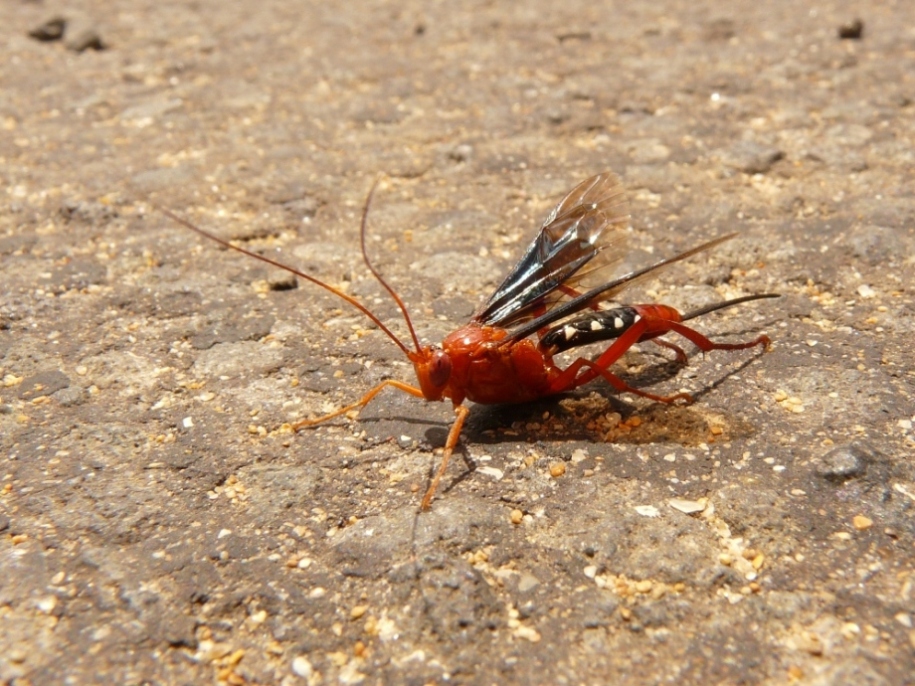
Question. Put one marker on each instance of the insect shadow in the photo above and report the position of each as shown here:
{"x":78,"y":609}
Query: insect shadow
{"x":550,"y":422}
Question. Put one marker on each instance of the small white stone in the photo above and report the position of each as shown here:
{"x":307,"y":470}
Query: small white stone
{"x":648,"y":510}
{"x":526,"y":582}
{"x":47,"y":604}
{"x":495,"y":473}
{"x":187,"y":422}
{"x":687,"y":506}
{"x":302,"y":667}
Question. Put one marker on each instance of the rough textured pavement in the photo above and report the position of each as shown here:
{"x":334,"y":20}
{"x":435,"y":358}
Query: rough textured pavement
{"x":158,"y":524}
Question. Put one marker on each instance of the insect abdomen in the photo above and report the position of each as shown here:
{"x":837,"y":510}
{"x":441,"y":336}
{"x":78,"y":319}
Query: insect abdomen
{"x":590,"y":327}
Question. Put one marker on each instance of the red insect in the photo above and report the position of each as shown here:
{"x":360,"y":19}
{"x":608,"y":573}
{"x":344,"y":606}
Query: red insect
{"x":495,"y":358}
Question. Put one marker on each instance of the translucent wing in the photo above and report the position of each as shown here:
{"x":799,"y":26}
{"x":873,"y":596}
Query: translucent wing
{"x":582,"y":235}
{"x":606,"y":291}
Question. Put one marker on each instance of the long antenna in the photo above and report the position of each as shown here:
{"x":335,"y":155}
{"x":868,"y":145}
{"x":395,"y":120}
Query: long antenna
{"x":340,"y":294}
{"x":368,"y":263}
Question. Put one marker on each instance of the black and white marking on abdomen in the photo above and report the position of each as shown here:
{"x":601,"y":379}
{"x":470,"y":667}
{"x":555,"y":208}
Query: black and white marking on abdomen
{"x":589,"y":327}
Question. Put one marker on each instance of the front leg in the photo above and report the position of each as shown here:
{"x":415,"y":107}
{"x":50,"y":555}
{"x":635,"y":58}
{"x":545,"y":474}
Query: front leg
{"x":362,"y":402}
{"x":453,"y":436}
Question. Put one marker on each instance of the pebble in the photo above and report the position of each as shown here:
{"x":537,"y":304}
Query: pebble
{"x":852,"y":30}
{"x":86,"y":39}
{"x":687,"y":506}
{"x":528,"y":633}
{"x":281,"y":280}
{"x":302,"y":667}
{"x":751,"y":158}
{"x":862,"y":523}
{"x":70,"y":397}
{"x":47,"y":604}
{"x":493,"y":472}
{"x":527,"y":582}
{"x":461,"y":152}
{"x":51,"y":30}
{"x":843,"y":463}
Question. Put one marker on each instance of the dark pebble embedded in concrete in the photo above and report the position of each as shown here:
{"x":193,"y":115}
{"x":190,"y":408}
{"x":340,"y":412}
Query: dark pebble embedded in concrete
{"x":70,"y":396}
{"x":461,"y":152}
{"x":750,"y":157}
{"x":844,"y":462}
{"x":51,"y":30}
{"x":853,"y":30}
{"x":281,"y":280}
{"x":87,"y":39}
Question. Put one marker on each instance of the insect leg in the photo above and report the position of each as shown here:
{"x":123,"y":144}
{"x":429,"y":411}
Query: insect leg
{"x":706,"y":345}
{"x":450,"y":444}
{"x":681,"y":356}
{"x":362,"y":402}
{"x":623,"y":387}
{"x":574,"y":376}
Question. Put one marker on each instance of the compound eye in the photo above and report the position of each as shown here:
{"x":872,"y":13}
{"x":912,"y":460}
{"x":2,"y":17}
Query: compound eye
{"x":440,"y":369}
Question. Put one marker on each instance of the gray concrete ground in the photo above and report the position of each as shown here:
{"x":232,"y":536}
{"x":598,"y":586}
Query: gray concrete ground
{"x":159,"y":524}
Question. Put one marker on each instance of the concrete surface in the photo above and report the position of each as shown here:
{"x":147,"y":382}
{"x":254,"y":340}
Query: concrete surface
{"x":159,"y":525}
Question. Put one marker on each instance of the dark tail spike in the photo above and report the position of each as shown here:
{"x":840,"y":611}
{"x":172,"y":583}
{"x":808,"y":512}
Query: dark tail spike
{"x":727,"y":303}
{"x":368,"y":263}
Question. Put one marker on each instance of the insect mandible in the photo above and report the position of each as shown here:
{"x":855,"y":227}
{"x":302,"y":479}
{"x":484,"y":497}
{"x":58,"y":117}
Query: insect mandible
{"x":552,"y":301}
